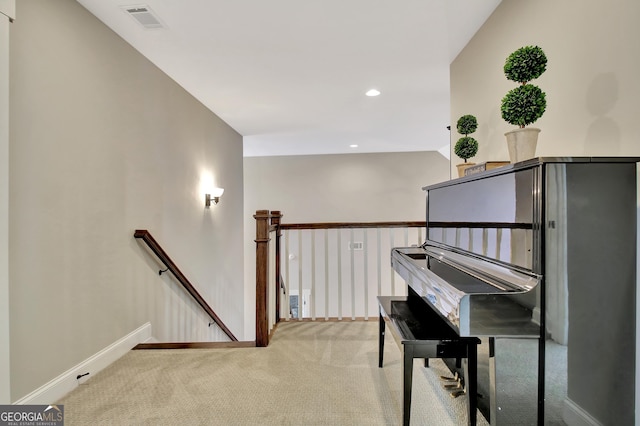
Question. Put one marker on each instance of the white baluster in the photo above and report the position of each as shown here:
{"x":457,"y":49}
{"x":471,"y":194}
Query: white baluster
{"x":300,"y":275}
{"x":312,"y":302}
{"x":339,"y":274}
{"x":366,"y":273}
{"x":326,"y":274}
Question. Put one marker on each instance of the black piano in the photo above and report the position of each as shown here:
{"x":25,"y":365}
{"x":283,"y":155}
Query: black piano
{"x":530,"y":269}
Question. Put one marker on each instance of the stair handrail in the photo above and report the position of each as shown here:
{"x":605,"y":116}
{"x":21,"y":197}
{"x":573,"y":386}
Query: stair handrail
{"x":146,"y":236}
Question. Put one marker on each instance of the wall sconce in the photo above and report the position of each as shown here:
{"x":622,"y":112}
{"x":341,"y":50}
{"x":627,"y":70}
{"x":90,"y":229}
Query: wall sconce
{"x":213,"y":197}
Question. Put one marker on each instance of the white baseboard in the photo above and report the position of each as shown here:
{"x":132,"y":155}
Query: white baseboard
{"x":574,"y":415}
{"x":68,"y":381}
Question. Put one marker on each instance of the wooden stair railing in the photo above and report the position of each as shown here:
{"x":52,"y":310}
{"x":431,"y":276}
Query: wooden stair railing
{"x":347,"y":225}
{"x":266,"y":222}
{"x":145,"y":236}
{"x":270,"y":221}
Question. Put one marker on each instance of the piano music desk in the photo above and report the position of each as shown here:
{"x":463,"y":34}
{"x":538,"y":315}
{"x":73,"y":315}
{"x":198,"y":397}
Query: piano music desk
{"x":421,"y":333}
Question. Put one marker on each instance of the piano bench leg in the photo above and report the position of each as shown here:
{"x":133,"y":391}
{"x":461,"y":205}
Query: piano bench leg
{"x":471,"y":382}
{"x":407,"y":379}
{"x":426,"y":363}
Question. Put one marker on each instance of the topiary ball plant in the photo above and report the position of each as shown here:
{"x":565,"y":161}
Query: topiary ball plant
{"x":525,"y":64}
{"x":466,"y":147}
{"x":523,"y":105}
{"x":526,"y":103}
{"x":467,"y":124}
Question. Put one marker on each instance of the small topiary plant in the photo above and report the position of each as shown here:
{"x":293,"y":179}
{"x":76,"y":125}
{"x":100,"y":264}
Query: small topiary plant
{"x":467,"y":124}
{"x":526,"y":103}
{"x":466,"y":147}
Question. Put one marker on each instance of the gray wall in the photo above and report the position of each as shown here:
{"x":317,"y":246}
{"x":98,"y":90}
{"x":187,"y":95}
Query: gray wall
{"x":591,"y":81}
{"x":103,"y":143}
{"x":336,"y":188}
{"x":7,"y":9}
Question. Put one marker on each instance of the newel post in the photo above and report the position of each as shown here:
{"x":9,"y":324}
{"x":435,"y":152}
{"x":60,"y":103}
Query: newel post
{"x":262,"y":277}
{"x":276,"y":217}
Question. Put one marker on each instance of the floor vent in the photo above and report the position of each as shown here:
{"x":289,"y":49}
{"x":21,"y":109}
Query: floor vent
{"x":144,"y":16}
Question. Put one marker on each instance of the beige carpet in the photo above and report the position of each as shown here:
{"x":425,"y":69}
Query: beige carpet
{"x":312,"y":373}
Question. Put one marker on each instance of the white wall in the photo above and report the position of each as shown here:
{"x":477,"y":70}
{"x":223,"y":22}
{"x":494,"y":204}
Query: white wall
{"x":335,"y":188}
{"x":103,"y":143}
{"x":591,"y":81}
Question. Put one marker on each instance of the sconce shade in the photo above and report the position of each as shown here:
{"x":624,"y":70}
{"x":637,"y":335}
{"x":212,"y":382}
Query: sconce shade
{"x":214,"y":197}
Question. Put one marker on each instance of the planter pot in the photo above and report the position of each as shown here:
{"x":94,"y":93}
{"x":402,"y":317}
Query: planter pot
{"x":522,"y":143}
{"x":462,"y":166}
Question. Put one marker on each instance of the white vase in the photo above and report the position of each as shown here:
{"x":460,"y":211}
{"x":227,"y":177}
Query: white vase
{"x":522,"y":143}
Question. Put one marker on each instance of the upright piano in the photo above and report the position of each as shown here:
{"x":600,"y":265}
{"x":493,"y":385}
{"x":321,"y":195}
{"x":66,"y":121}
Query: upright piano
{"x":538,"y":261}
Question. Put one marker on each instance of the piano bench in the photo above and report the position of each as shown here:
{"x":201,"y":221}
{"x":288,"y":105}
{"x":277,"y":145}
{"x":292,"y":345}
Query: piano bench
{"x":421,"y":333}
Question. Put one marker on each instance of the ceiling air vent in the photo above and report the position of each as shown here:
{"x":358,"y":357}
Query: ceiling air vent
{"x":144,"y":15}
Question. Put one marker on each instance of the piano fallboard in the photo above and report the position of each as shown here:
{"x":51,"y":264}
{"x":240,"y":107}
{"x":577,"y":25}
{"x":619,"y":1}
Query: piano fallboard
{"x":475,"y":296}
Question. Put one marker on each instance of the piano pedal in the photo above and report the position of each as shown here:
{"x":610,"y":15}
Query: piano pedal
{"x":455,"y":378}
{"x":457,"y":393}
{"x":451,"y":383}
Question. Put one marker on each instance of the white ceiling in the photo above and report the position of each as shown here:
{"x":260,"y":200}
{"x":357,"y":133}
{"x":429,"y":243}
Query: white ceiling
{"x":291,"y":75}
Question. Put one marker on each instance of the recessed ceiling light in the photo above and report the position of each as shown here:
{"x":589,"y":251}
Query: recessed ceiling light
{"x":373,"y":92}
{"x":353,"y":146}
